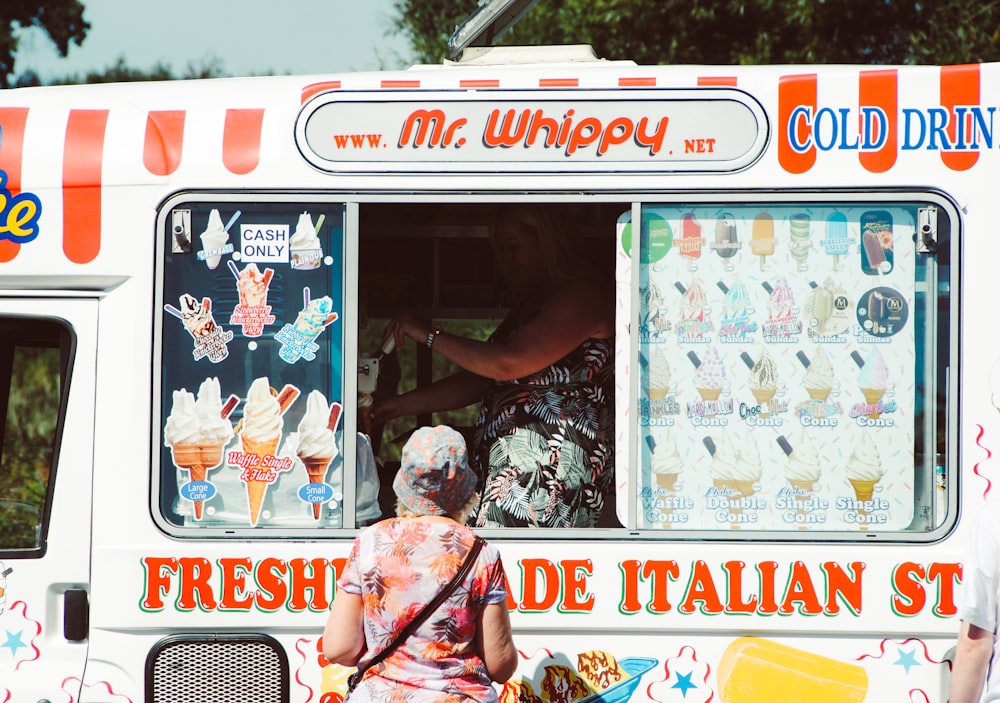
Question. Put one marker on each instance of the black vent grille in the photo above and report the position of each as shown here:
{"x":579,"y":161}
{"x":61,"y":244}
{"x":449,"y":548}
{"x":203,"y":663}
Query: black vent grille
{"x":217,"y":669}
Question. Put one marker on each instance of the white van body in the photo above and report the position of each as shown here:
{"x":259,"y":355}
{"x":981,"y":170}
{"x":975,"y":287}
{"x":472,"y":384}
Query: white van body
{"x":776,"y":593}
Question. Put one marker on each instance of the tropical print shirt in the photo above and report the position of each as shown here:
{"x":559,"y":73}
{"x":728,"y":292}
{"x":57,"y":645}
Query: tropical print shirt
{"x":399,"y":565}
{"x":544,"y":447}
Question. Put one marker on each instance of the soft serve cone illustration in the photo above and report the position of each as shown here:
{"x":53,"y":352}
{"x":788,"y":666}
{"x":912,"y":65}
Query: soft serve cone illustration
{"x":763,"y":381}
{"x":197,"y":432}
{"x":260,"y":434}
{"x":864,"y":470}
{"x":803,"y":468}
{"x":317,"y":441}
{"x":734,"y":474}
{"x":873,"y":379}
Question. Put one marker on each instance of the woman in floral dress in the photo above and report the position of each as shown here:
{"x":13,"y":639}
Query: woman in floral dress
{"x":399,"y":565}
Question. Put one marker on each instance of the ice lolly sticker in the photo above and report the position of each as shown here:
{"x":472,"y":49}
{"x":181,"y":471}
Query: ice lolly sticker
{"x":252,"y":312}
{"x":197,"y":432}
{"x":306,"y":249}
{"x":827,"y":310}
{"x":837,"y":242}
{"x":298,"y":340}
{"x":215,"y":239}
{"x":691,"y":240}
{"x":876,"y":242}
{"x":727,"y":242}
{"x":316,"y":449}
{"x":882,"y":312}
{"x":762,"y":238}
{"x":260,"y":434}
{"x":209,"y":339}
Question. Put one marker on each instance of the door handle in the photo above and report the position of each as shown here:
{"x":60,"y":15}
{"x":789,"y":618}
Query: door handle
{"x":76,"y":614}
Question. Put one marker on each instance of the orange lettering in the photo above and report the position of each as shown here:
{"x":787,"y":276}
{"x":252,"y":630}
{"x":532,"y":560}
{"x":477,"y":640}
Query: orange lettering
{"x":531,"y":600}
{"x":575,"y":573}
{"x":234,"y":572}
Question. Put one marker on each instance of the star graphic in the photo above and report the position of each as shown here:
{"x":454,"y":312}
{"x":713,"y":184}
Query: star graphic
{"x":907,"y":659}
{"x":684,"y":683}
{"x":14,"y":642}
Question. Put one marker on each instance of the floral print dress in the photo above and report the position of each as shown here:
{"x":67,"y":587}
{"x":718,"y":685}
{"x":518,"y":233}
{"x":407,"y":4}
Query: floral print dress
{"x":543,"y":446}
{"x":399,"y":565}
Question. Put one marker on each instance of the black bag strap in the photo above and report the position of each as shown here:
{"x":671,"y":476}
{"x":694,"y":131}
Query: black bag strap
{"x":449,"y":588}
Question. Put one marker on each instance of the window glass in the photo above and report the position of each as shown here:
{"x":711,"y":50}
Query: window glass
{"x":786,"y":354}
{"x":251,"y":382}
{"x":30,"y":395}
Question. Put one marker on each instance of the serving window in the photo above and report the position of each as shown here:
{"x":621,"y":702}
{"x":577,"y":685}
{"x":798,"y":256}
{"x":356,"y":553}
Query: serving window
{"x":781,"y":367}
{"x":793,"y":361}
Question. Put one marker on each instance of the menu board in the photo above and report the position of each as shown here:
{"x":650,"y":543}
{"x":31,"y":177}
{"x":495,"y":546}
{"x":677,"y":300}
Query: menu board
{"x":777,"y":354}
{"x":251,"y":331}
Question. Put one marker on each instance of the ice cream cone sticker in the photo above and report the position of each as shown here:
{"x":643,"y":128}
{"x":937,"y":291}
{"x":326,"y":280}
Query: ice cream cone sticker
{"x":864,"y":471}
{"x":209,"y":339}
{"x":252,"y":312}
{"x":763,"y":381}
{"x":802,"y":473}
{"x":197,"y":432}
{"x":298,"y":340}
{"x":317,"y":447}
{"x":735,"y":478}
{"x":873,"y":379}
{"x":260,"y":434}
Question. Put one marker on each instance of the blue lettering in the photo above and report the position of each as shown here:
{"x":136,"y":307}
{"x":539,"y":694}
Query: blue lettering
{"x":875,"y":128}
{"x":918,"y":118}
{"x":799,"y":114}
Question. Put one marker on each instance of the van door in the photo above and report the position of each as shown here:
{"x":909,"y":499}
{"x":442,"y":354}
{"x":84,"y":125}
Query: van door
{"x":47,"y":360}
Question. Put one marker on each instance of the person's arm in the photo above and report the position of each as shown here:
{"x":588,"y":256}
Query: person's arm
{"x":456,"y":391}
{"x":574,"y":313}
{"x":972,"y":660}
{"x":344,"y":635}
{"x":496,"y":642}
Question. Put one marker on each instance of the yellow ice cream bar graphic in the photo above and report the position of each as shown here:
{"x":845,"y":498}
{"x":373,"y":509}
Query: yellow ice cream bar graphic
{"x":755,"y":670}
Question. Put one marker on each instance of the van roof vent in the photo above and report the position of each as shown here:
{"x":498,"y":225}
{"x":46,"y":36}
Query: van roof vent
{"x":487,"y":22}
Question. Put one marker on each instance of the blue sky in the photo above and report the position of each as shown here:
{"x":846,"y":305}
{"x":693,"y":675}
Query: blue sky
{"x":246,"y":36}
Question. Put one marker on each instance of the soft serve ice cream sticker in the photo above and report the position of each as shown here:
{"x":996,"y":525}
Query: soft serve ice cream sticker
{"x":260,"y":434}
{"x":306,"y":249}
{"x":316,"y":447}
{"x":298,"y":340}
{"x":197,"y":432}
{"x":215,"y":239}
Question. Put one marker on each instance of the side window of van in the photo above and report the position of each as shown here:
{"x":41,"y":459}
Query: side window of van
{"x":31,"y":373}
{"x":794,"y":360}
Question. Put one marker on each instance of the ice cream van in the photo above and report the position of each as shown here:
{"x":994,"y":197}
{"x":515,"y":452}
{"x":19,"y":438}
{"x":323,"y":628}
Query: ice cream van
{"x":194,"y":280}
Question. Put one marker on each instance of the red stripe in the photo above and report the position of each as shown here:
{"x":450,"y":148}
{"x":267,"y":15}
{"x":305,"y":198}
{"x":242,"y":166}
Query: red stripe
{"x":636,"y":82}
{"x":881,"y":89}
{"x":959,"y":87}
{"x":82,"y":162}
{"x":793,"y":92}
{"x":722,"y":81}
{"x":161,"y":152}
{"x":558,"y":82}
{"x":12,"y":121}
{"x":241,"y":140}
{"x":479,"y":83}
{"x":400,"y":84}
{"x":317,"y":88}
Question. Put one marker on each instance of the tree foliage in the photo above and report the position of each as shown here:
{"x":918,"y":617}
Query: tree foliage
{"x":61,"y":20}
{"x":738,"y":32}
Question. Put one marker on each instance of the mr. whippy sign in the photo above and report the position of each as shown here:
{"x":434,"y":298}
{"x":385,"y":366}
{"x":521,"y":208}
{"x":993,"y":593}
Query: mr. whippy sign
{"x":650,"y":131}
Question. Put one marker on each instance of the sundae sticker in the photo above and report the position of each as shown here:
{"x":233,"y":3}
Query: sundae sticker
{"x":209,"y":339}
{"x":298,"y":340}
{"x":252,"y":312}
